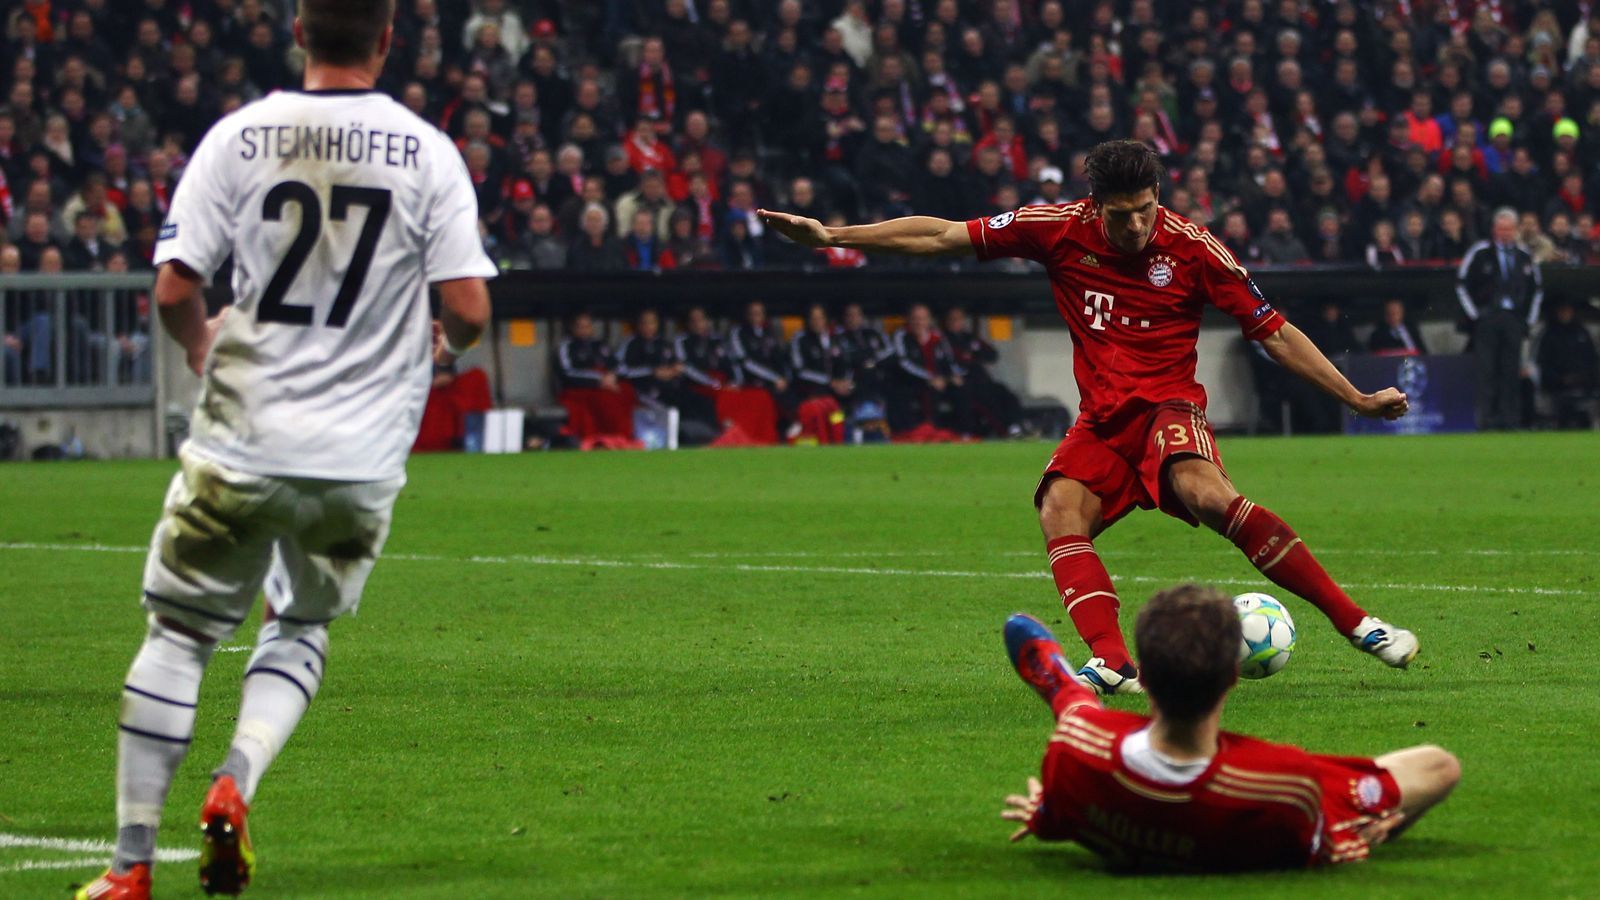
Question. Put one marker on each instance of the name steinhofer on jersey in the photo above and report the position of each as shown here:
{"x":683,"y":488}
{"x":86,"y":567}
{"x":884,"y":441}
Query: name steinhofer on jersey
{"x":340,"y":208}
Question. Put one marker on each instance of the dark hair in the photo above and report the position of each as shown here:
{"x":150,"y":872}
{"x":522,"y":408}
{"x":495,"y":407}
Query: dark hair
{"x":1121,"y":167}
{"x":344,"y":32}
{"x":1188,"y":644}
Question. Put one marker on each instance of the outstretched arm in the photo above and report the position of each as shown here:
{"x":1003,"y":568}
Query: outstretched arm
{"x":913,"y":235}
{"x":1290,"y":348}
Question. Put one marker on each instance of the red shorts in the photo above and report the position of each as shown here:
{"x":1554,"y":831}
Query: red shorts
{"x":1355,"y":791}
{"x":1123,"y":461}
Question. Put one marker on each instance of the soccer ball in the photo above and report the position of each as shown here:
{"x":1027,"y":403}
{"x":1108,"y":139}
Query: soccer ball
{"x":1268,"y":635}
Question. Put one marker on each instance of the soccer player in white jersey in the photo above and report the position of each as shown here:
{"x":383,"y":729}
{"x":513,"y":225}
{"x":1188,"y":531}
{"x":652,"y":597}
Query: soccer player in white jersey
{"x":340,"y":208}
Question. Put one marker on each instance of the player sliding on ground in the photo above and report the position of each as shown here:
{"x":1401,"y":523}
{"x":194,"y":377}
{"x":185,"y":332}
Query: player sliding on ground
{"x":339,"y":207}
{"x":1172,"y":791}
{"x":1131,"y":279}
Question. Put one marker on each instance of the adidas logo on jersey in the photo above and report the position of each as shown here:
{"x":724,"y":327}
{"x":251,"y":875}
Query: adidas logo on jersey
{"x":1090,"y":260}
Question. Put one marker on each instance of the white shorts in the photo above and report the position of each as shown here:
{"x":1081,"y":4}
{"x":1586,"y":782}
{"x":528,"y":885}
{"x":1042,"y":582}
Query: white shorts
{"x":224,"y":535}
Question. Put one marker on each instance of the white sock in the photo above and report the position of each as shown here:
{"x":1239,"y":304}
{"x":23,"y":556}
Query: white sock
{"x":157,"y":721}
{"x":279,"y":683}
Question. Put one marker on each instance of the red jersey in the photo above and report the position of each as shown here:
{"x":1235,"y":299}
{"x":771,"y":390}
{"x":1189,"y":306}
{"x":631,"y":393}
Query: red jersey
{"x":1257,"y":805}
{"x":1134,"y":318}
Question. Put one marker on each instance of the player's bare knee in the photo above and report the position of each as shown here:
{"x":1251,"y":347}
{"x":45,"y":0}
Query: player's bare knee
{"x":1444,"y":766}
{"x":1066,"y":508}
{"x":1426,"y":774}
{"x":1052,"y":516}
{"x":1203,"y":491}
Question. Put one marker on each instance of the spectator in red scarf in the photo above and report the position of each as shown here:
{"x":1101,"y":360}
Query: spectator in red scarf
{"x":705,"y":209}
{"x":42,"y":15}
{"x":652,"y":92}
{"x":162,"y":183}
{"x":1164,"y":133}
{"x":1569,"y":197}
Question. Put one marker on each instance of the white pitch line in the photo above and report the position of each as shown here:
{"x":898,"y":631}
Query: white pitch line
{"x":1106,"y":553}
{"x":80,"y":845}
{"x":893,"y":554}
{"x":31,"y":865}
{"x":640,"y":563}
{"x":77,"y":548}
{"x":585,"y":562}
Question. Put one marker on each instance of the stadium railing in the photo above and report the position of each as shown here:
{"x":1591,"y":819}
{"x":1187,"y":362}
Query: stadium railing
{"x":73,"y":344}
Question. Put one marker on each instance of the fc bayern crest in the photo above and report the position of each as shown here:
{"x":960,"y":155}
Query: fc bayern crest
{"x":1161,"y":271}
{"x":1369,"y":792}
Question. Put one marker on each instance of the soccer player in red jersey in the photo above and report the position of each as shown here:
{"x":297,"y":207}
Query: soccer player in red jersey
{"x":1172,"y":791}
{"x":1132,"y":279}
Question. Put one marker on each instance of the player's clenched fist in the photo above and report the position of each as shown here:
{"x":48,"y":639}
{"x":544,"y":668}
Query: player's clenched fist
{"x":1388,"y":403}
{"x":800,"y":229}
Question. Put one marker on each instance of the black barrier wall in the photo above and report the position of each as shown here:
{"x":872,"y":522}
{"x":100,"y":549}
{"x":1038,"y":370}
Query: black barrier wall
{"x":1430,"y":290}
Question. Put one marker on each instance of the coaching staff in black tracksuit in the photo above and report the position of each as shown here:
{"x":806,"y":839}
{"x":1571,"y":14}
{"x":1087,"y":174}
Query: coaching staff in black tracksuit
{"x":651,"y":365}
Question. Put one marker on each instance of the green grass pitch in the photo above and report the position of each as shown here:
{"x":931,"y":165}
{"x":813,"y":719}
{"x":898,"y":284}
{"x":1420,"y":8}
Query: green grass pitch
{"x":779,"y":673}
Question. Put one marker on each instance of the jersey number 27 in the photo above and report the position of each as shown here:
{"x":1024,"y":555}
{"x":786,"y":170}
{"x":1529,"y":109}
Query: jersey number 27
{"x":342,"y":197}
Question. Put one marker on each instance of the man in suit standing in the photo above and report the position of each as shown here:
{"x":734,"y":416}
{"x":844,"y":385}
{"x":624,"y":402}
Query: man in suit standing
{"x":1396,"y":335}
{"x":1500,"y":291}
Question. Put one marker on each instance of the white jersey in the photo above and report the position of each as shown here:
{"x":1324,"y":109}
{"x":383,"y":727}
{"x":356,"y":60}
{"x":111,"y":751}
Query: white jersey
{"x":340,"y":208}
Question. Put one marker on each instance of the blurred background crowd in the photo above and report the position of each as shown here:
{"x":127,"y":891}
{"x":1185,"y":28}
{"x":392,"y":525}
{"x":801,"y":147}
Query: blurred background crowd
{"x":642,"y":134}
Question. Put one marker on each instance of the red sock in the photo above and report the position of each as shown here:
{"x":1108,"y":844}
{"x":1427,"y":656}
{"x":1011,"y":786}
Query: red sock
{"x":1090,"y":599}
{"x":1274,"y":549}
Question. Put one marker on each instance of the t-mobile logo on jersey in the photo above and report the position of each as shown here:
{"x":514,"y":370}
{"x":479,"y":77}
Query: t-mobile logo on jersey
{"x":1098,"y":306}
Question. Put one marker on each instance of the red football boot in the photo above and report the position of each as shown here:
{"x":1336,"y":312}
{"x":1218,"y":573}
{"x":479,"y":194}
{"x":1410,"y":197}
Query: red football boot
{"x":133,"y":884}
{"x":226,"y":858}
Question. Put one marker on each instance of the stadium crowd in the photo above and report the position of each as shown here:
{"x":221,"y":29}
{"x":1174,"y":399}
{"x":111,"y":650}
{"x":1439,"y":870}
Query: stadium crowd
{"x":643,"y":134}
